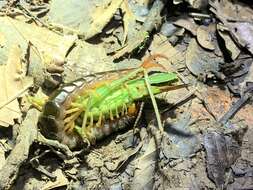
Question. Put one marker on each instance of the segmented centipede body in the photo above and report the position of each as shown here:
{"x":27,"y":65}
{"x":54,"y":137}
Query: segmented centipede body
{"x":81,"y":112}
{"x":53,"y":123}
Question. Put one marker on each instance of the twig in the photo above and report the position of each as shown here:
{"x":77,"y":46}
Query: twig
{"x":234,"y":108}
{"x":56,"y":144}
{"x":27,"y":135}
{"x":158,"y":117}
{"x":15,"y":96}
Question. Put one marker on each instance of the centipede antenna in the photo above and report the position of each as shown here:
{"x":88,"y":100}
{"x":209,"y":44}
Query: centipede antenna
{"x":159,"y":122}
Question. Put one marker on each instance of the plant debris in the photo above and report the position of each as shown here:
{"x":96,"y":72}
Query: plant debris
{"x":199,"y":137}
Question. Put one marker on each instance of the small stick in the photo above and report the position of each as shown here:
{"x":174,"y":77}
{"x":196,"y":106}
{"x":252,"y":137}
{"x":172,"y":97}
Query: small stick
{"x":234,"y":108}
{"x":19,"y":154}
{"x":158,"y":117}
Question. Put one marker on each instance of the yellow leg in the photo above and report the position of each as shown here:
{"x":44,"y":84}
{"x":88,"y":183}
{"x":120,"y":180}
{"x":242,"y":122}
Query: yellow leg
{"x":91,"y":120}
{"x":72,"y":110}
{"x":69,"y":127}
{"x":99,"y":123}
{"x":84,"y":121}
{"x":72,"y":117}
{"x":85,"y":118}
{"x":111,"y":115}
{"x":37,"y":102}
{"x":117,"y":113}
{"x":124,"y":110}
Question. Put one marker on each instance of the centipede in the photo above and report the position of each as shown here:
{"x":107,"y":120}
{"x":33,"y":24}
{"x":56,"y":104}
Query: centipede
{"x":80,"y":113}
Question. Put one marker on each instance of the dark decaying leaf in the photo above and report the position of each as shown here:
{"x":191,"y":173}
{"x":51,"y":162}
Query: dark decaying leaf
{"x":200,"y":62}
{"x":221,"y":153}
{"x":238,"y":19}
{"x":145,"y":167}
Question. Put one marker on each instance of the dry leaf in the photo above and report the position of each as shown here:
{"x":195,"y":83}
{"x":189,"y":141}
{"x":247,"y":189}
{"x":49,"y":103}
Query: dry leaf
{"x":101,"y":17}
{"x":161,"y":45}
{"x":60,"y":181}
{"x":128,"y":19}
{"x":188,"y":24}
{"x":205,"y":37}
{"x":221,"y":153}
{"x":50,"y":46}
{"x":2,"y":40}
{"x":229,"y":43}
{"x":13,"y":83}
{"x":200,"y":62}
{"x":238,"y":19}
{"x":145,"y":168}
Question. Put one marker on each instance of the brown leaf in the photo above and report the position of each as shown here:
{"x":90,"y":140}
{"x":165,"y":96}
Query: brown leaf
{"x":205,"y":37}
{"x":200,"y":62}
{"x":221,"y":152}
{"x":49,"y":46}
{"x":160,"y":45}
{"x":238,"y":19}
{"x":188,"y":24}
{"x":229,"y":43}
{"x":13,"y":83}
{"x":60,"y":181}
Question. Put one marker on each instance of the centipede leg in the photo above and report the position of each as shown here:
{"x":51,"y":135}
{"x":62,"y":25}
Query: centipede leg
{"x":124,"y":110}
{"x":84,"y":120}
{"x":69,"y":121}
{"x":117,"y":113}
{"x":69,"y":127}
{"x":72,"y":117}
{"x":85,"y":139}
{"x":99,"y":122}
{"x":111,"y":115}
{"x":72,"y":110}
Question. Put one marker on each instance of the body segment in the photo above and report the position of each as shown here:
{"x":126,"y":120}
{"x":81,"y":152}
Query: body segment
{"x":82,"y":112}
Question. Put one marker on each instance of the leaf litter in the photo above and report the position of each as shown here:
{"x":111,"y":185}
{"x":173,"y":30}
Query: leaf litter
{"x":206,"y":142}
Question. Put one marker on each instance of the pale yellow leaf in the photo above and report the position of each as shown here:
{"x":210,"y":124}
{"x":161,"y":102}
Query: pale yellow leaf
{"x":2,"y":40}
{"x":13,"y":83}
{"x":60,"y":181}
{"x":127,"y":19}
{"x":48,"y":45}
{"x":101,"y":17}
